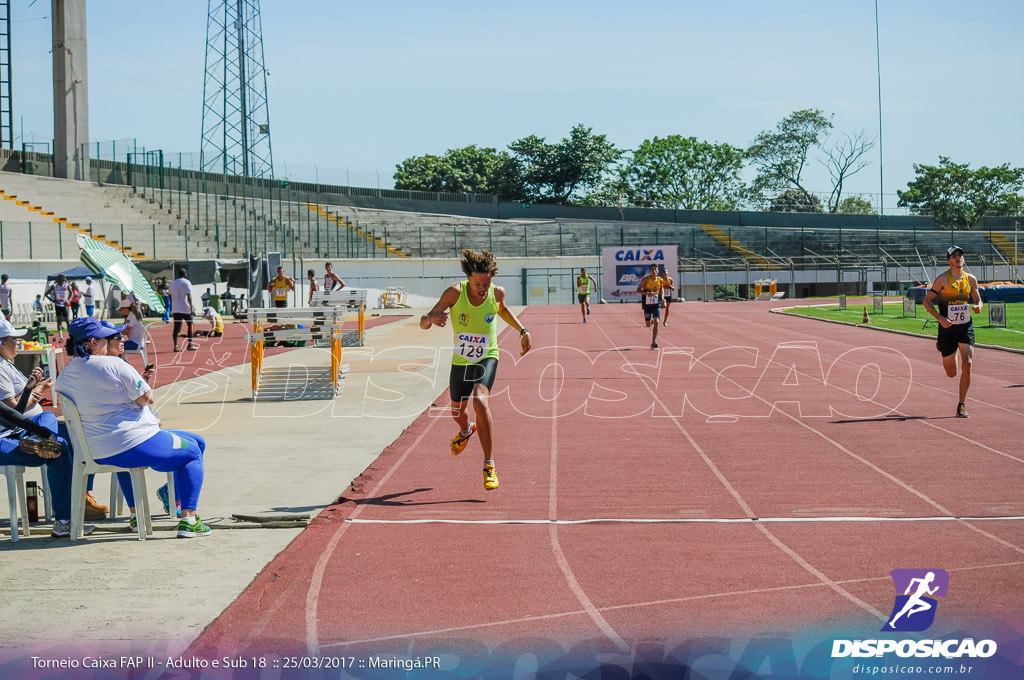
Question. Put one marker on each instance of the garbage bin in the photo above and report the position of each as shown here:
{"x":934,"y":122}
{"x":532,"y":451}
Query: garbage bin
{"x":215,"y":303}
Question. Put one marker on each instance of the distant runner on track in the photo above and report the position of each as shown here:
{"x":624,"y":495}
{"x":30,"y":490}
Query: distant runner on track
{"x":475,"y":305}
{"x":668,"y":287}
{"x":649,"y":289}
{"x":583,"y":282}
{"x":953,"y":289}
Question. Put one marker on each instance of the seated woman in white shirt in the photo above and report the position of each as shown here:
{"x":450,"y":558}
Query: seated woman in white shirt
{"x":113,"y":400}
{"x":134,"y":327}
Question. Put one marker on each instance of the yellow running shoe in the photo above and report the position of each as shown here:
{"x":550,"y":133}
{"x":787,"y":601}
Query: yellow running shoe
{"x":459,"y":443}
{"x":490,"y":478}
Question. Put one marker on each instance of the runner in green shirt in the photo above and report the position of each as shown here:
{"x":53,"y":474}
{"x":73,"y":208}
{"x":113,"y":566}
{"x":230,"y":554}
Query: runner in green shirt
{"x":475,"y":305}
{"x":583,"y":282}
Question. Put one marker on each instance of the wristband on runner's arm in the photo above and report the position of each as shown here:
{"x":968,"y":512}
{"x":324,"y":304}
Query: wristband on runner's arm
{"x":524,"y":332}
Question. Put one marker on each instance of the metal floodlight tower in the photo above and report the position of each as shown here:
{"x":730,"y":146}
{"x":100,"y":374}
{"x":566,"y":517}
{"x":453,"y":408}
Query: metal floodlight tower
{"x":6,"y":110}
{"x":236,"y":118}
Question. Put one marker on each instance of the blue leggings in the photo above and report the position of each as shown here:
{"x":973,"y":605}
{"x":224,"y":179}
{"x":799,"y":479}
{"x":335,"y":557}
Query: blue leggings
{"x":167,"y":451}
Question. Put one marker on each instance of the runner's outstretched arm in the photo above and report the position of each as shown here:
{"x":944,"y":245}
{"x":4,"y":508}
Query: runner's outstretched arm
{"x":506,"y":314}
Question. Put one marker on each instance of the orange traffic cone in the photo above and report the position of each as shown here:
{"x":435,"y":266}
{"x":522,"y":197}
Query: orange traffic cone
{"x":865,"y":319}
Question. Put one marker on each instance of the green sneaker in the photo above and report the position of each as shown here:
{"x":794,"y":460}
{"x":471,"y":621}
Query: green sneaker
{"x":187,"y":530}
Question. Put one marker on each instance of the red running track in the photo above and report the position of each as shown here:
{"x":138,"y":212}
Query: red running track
{"x":630,"y":516}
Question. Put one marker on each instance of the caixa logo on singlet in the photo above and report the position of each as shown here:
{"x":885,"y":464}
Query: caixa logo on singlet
{"x":475,"y":339}
{"x":914,"y":611}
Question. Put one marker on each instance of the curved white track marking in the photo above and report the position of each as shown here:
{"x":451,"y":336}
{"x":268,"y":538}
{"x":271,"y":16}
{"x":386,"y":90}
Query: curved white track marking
{"x":865,"y":462}
{"x":556,"y":548}
{"x":651,"y":603}
{"x":316,"y":580}
{"x":749,"y":512}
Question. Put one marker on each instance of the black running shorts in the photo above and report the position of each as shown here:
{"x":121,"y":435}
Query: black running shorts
{"x":463,"y":379}
{"x":652,"y":312}
{"x":950,"y":338}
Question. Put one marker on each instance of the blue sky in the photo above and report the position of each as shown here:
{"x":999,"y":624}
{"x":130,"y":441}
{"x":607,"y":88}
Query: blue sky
{"x":361,"y":86}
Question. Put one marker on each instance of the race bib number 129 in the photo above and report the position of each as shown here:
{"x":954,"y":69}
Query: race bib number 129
{"x":471,"y":347}
{"x":958,"y":314}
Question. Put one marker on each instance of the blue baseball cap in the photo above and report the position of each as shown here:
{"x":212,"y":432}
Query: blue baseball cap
{"x":86,"y":327}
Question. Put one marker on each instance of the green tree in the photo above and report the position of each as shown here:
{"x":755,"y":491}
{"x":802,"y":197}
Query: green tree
{"x":685,"y":173}
{"x":958,"y":197}
{"x":796,"y":201}
{"x":781,"y":156}
{"x":564,"y":172}
{"x":470,"y":170}
{"x":855,"y":205}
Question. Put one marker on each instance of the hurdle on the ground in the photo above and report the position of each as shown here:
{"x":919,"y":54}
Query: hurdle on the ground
{"x":324,"y":329}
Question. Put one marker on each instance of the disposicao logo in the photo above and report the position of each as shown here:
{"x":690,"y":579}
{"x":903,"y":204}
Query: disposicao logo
{"x":489,"y":318}
{"x":914,"y":611}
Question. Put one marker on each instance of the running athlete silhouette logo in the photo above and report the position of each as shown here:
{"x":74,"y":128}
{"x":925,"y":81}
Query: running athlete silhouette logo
{"x":914,"y":610}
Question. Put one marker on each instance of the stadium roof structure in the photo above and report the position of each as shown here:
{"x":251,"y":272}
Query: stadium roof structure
{"x":116,"y":268}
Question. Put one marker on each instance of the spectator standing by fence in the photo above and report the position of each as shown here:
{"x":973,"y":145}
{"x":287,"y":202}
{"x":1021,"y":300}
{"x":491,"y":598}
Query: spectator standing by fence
{"x":89,"y":297}
{"x":6,"y":298}
{"x":182,"y":309}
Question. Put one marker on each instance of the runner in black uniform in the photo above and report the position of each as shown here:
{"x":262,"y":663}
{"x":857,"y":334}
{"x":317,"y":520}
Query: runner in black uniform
{"x":953,"y":289}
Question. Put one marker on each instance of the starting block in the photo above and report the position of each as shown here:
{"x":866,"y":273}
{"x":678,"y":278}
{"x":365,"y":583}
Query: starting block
{"x":322,"y":327}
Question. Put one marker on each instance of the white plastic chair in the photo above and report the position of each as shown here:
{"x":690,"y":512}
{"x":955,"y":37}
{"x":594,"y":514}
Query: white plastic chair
{"x":85,"y":464}
{"x":16,"y":495}
{"x":141,"y":350}
{"x":15,"y":475}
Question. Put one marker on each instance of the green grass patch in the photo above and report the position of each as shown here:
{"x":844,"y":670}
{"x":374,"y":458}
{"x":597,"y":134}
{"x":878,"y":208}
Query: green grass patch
{"x":1012,"y":336}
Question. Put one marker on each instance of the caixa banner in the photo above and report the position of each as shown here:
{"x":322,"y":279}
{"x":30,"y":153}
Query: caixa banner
{"x":624,"y":266}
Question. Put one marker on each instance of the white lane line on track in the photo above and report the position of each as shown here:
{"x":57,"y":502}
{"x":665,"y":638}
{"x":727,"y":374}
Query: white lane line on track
{"x":652,"y":603}
{"x":925,"y":385}
{"x":874,"y":467}
{"x":316,"y":580}
{"x":748,"y":511}
{"x":688,"y":520}
{"x":952,"y":433}
{"x":556,"y":547}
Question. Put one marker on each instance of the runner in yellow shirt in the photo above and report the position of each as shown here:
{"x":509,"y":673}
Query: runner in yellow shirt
{"x":649,"y":290}
{"x":279,"y":288}
{"x":216,"y":323}
{"x":475,"y":305}
{"x":953,"y":290}
{"x":668,"y":286}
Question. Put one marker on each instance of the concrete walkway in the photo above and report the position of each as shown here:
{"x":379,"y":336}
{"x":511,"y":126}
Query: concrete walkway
{"x":110,"y":593}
